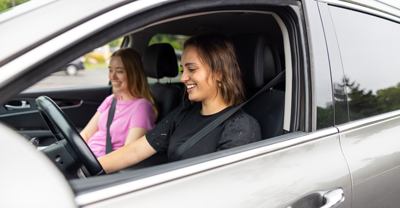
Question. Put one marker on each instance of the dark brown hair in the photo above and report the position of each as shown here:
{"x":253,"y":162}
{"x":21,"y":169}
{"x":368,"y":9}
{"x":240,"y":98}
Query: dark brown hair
{"x":218,"y":52}
{"x":136,"y":77}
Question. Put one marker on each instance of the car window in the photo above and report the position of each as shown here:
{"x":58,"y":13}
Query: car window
{"x":90,"y":69}
{"x":369,"y":48}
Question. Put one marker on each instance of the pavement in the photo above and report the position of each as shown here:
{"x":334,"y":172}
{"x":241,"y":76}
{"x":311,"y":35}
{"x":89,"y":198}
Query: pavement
{"x":87,"y":77}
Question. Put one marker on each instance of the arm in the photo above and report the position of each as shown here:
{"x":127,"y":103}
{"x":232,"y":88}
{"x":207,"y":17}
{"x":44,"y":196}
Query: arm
{"x":134,"y":134}
{"x":239,"y":130}
{"x":91,"y":127}
{"x":127,"y":155}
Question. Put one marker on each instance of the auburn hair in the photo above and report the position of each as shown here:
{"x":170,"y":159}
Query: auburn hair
{"x":136,"y":77}
{"x":218,"y":52}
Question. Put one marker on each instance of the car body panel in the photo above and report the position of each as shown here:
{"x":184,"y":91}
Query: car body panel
{"x":371,"y":150}
{"x":275,"y":184}
{"x":41,"y":28}
{"x":29,"y":179}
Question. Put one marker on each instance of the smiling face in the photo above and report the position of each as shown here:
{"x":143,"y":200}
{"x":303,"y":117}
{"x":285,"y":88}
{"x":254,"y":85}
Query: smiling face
{"x":198,"y":78}
{"x":117,"y":75}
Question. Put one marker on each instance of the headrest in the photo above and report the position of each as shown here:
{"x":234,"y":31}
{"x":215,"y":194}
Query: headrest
{"x":257,"y":58}
{"x":159,"y":60}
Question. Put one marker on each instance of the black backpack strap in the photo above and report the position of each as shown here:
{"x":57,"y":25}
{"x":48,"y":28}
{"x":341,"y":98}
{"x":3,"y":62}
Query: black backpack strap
{"x":109,"y":121}
{"x":214,"y":124}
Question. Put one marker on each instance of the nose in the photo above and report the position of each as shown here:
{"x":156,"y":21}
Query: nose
{"x":184,"y":76}
{"x":112,"y":75}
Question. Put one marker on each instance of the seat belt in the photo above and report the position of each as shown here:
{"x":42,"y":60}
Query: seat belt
{"x":111,"y":113}
{"x":206,"y":130}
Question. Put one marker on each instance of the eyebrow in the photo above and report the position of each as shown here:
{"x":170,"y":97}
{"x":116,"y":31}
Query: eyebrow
{"x":189,"y":64}
{"x":118,"y":67}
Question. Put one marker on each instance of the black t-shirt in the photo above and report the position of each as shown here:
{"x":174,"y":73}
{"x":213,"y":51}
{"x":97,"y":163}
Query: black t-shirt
{"x":183,"y":122}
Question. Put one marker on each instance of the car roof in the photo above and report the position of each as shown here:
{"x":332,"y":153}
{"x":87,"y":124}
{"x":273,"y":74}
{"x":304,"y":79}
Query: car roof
{"x":47,"y":19}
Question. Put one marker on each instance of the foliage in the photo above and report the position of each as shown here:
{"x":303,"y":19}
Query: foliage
{"x":115,"y":43}
{"x":7,"y":4}
{"x":358,"y":103}
{"x":176,"y":41}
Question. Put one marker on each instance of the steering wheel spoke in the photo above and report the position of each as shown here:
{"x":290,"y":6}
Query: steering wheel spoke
{"x":62,"y":127}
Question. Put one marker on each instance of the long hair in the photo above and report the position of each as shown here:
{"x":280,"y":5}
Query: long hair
{"x":136,"y":77}
{"x":218,"y":52}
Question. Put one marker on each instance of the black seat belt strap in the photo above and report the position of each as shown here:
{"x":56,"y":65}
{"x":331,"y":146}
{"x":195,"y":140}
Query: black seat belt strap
{"x":206,"y":130}
{"x":109,"y":121}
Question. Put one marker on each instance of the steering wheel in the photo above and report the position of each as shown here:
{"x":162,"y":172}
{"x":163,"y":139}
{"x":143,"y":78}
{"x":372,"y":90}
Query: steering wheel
{"x":62,"y":127}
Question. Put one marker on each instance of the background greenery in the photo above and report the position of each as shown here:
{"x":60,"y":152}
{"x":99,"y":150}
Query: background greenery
{"x":7,"y":4}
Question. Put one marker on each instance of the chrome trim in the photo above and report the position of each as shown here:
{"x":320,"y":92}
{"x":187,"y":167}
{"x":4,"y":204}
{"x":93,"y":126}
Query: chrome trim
{"x":129,"y":187}
{"x":368,"y":121}
{"x":41,"y":52}
{"x":371,"y":7}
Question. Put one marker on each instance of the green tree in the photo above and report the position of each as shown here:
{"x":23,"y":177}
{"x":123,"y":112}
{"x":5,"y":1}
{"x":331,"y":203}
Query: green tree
{"x":389,"y":98}
{"x":7,"y":4}
{"x":176,"y":41}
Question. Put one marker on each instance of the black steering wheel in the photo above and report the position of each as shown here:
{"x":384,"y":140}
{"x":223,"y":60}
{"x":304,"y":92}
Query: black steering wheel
{"x":62,"y":127}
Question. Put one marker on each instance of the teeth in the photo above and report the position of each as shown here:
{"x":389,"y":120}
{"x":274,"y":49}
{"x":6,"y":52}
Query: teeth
{"x":190,"y":86}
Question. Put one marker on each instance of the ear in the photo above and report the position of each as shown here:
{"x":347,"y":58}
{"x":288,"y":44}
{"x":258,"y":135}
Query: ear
{"x":219,"y":75}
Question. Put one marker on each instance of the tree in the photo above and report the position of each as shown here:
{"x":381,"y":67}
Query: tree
{"x":7,"y":4}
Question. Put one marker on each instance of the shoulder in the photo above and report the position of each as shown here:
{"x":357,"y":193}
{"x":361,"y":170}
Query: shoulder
{"x":109,"y":99}
{"x":241,"y":122}
{"x":106,"y":103}
{"x":143,"y":103}
{"x":242,"y":119}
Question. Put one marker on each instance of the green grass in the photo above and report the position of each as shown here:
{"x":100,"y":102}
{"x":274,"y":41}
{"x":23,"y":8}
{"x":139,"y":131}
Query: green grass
{"x":96,"y":66}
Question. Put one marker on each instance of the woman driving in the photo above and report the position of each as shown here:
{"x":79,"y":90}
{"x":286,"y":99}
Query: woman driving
{"x":135,"y":111}
{"x":214,"y":85}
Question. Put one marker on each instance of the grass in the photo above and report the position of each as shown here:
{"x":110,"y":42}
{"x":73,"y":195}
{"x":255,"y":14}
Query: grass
{"x":95,"y":66}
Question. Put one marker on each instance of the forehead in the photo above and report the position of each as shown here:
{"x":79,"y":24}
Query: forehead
{"x":116,"y":60}
{"x":190,"y":54}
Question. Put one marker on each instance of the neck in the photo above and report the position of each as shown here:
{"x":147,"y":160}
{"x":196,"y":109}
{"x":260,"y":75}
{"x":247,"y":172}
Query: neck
{"x":126,"y":96}
{"x":213,"y":107}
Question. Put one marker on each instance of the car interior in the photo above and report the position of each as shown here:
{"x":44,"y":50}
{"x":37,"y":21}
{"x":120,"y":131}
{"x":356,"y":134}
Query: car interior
{"x":264,"y":40}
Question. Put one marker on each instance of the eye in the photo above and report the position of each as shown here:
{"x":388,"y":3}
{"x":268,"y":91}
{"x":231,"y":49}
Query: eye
{"x":191,"y":69}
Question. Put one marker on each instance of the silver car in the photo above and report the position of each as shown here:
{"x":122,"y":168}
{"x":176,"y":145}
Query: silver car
{"x":331,"y":129}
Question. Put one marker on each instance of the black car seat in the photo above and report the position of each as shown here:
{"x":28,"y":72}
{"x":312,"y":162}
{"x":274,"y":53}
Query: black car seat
{"x":159,"y":60}
{"x":259,"y":62}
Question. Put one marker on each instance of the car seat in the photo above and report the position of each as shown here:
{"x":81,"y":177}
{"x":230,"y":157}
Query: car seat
{"x":159,"y":60}
{"x":259,"y":61}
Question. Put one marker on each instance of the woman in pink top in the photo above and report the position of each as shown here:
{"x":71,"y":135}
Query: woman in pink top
{"x":135,"y":111}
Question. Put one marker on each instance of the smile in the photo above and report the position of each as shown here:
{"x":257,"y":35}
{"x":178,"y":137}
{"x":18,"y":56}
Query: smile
{"x":190,"y":86}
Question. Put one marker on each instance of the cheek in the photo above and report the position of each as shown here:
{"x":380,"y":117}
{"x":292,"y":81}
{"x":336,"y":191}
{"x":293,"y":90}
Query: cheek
{"x":122,"y":77}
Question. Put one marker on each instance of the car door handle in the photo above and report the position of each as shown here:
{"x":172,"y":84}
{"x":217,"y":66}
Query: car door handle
{"x":24,"y":105}
{"x":322,"y":199}
{"x":333,"y":198}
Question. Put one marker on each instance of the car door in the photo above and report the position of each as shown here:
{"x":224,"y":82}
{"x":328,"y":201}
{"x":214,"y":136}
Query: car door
{"x":79,"y":104}
{"x":365,"y":43}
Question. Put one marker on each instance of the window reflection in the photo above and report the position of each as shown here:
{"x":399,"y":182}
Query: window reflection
{"x":369,"y":48}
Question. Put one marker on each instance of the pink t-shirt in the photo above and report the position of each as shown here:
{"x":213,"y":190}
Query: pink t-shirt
{"x":128,"y":114}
